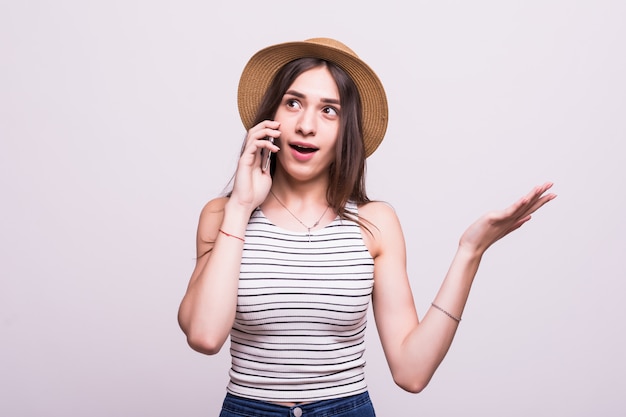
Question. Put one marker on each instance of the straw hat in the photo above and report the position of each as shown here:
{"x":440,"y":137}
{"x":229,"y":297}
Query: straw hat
{"x":263,"y":66}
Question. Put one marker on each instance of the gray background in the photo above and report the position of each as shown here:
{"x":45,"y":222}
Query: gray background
{"x":118,"y":121}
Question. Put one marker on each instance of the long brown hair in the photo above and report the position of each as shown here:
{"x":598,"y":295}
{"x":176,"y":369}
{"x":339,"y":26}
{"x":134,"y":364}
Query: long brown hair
{"x":347,"y":172}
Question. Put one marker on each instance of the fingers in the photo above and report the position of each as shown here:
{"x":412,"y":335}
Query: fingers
{"x":540,"y":202}
{"x":539,"y":190}
{"x":537,"y":198}
{"x":531,"y":202}
{"x":263,"y":130}
{"x":255,"y":142}
{"x":494,"y":225}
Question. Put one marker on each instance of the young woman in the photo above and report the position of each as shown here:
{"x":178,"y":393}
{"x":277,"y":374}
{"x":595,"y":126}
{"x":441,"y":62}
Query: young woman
{"x":288,"y":260}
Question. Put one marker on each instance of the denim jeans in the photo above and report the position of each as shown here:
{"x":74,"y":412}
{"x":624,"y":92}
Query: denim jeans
{"x":354,"y":406}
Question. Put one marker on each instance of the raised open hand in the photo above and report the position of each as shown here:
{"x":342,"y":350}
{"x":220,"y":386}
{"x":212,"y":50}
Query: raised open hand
{"x":494,"y":225}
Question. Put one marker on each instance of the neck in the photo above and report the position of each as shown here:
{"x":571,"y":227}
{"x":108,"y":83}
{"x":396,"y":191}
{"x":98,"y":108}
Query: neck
{"x":297,"y":193}
{"x":303,"y":208}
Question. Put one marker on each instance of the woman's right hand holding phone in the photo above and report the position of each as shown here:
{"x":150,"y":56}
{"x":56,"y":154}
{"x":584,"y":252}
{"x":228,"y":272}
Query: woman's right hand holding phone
{"x":252,"y":183}
{"x":208,"y":309}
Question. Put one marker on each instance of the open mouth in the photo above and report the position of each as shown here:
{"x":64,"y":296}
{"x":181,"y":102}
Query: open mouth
{"x":303,"y":149}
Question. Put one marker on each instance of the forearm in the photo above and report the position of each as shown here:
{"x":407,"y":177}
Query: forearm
{"x":415,"y":349}
{"x":427,"y":344}
{"x":208,"y":309}
{"x":455,"y":288}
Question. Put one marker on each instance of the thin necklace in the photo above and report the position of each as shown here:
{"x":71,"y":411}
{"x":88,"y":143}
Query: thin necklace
{"x":308,"y":228}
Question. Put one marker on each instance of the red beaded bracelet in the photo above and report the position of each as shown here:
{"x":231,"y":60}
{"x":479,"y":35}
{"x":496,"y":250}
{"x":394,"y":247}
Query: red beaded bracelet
{"x":229,"y":235}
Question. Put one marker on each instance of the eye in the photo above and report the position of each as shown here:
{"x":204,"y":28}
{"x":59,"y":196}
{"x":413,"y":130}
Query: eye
{"x":292,"y":103}
{"x":330,"y":111}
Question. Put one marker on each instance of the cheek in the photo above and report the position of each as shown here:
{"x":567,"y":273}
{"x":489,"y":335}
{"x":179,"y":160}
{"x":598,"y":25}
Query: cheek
{"x":334,"y":139}
{"x":281,"y":113}
{"x":331,"y":154}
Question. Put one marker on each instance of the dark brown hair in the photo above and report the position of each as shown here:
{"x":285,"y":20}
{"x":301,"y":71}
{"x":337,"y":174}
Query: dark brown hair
{"x":347,"y":172}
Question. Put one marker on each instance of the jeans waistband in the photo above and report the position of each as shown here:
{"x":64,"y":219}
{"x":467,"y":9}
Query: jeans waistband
{"x":254,"y":408}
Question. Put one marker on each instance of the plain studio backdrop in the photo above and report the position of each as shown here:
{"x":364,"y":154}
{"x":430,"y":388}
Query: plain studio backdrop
{"x":118,"y":122}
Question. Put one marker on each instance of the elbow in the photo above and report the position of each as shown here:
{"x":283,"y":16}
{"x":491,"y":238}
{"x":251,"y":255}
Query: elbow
{"x":412,"y":383}
{"x":414,"y":387}
{"x":204,"y":343}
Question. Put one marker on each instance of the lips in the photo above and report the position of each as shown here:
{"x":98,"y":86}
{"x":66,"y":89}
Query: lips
{"x":303,"y":151}
{"x":303,"y":148}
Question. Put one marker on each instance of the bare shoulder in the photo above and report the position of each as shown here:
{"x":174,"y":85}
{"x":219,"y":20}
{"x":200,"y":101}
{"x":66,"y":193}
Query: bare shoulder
{"x":383,"y":226}
{"x":214,"y":206}
{"x":380,"y":214}
{"x":211,"y":217}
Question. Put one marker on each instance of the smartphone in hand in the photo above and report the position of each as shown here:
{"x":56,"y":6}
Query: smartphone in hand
{"x":266,"y":155}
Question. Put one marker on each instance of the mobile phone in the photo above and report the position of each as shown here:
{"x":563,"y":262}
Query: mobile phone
{"x":266,"y":155}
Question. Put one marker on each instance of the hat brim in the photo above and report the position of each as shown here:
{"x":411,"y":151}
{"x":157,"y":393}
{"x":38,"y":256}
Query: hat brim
{"x":263,"y":66}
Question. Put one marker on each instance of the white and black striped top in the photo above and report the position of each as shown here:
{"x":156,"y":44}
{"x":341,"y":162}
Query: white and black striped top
{"x":302,"y":312}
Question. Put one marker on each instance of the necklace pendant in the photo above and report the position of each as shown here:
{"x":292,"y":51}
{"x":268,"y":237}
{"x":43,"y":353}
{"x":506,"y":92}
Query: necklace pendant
{"x":296,"y":217}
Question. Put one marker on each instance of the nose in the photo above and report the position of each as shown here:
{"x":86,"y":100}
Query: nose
{"x":307,"y":123}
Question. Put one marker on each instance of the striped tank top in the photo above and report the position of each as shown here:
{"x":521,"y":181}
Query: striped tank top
{"x":301,"y":314}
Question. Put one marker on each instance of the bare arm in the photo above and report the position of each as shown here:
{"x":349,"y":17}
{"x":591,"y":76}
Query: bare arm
{"x":415,"y":349}
{"x":207,"y":311}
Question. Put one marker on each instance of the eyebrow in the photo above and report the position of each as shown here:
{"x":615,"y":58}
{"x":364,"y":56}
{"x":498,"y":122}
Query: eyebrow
{"x":300,"y":95}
